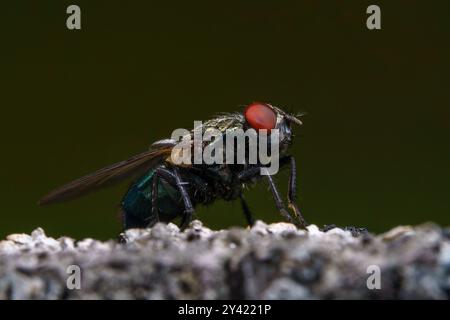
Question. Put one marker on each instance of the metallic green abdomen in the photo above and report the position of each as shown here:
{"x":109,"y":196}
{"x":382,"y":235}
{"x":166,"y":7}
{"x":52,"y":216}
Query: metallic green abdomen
{"x":137,"y":202}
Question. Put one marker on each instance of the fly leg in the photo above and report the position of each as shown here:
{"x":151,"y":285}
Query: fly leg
{"x":246,"y":210}
{"x":188,"y":208}
{"x":292,"y":188}
{"x":279,"y":203}
{"x":255,"y":170}
{"x":155,"y":210}
{"x":246,"y":175}
{"x":161,"y":175}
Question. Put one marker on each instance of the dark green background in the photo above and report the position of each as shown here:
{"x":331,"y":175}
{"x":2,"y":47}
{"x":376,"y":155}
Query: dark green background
{"x":373,"y":150}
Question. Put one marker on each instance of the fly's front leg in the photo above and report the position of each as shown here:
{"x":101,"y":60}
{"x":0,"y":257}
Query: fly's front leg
{"x":279,"y":203}
{"x":246,"y":175}
{"x":292,"y":191}
{"x":255,"y":170}
{"x":188,"y":207}
{"x":297,"y":219}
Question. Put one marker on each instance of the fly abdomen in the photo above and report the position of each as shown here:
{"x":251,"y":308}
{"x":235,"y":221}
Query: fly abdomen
{"x":137,"y":203}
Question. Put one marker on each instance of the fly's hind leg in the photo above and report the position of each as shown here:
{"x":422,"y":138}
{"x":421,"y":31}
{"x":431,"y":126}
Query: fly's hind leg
{"x":188,"y":207}
{"x":161,"y":175}
{"x":155,"y":210}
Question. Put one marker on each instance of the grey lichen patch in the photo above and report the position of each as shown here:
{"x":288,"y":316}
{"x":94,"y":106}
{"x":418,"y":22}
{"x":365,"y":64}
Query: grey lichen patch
{"x":274,"y":261}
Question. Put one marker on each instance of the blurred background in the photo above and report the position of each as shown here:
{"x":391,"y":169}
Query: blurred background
{"x":373,"y":151}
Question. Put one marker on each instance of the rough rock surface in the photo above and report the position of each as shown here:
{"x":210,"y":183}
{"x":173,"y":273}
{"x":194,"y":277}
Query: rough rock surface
{"x":274,"y":261}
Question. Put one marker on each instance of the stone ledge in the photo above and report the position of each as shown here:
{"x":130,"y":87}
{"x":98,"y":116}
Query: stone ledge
{"x":274,"y":261}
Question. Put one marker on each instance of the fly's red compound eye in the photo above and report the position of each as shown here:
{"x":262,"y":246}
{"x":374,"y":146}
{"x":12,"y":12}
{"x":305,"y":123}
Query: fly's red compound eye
{"x":260,"y":116}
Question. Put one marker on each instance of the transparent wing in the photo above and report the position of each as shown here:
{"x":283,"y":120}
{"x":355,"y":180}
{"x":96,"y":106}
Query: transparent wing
{"x":109,"y":175}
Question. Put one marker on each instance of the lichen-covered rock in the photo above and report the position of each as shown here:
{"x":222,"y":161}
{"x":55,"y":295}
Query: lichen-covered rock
{"x":274,"y":261}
